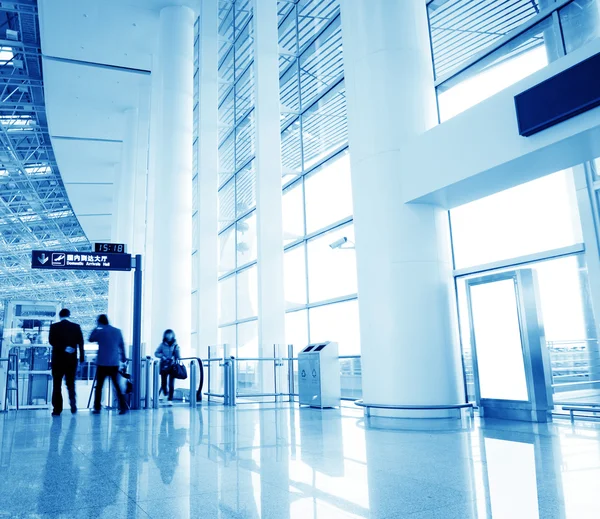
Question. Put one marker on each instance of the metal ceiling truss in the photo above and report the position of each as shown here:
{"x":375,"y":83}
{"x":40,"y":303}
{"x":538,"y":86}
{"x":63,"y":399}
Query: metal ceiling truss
{"x":35,"y":212}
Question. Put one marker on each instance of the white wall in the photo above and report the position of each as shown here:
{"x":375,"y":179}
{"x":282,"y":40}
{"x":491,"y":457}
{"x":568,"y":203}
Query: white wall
{"x":480,"y":151}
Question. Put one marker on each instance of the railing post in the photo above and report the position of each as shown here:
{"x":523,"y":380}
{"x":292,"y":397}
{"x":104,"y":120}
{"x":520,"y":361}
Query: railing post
{"x":193,"y":383}
{"x":275,"y":372}
{"x":225,"y":382}
{"x":232,"y":383}
{"x":156,"y":384}
{"x":291,"y":382}
{"x":148,"y":376}
{"x":208,"y":376}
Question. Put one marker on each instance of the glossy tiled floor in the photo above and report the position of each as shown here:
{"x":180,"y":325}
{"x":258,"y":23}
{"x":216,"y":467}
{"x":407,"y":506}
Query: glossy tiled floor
{"x":287,"y":463}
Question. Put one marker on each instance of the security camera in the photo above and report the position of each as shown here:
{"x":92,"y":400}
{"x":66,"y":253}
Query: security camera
{"x":337,"y":244}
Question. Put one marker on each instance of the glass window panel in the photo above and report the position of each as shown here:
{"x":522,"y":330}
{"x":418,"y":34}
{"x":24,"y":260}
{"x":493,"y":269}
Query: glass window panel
{"x":321,"y":65}
{"x":313,"y":16}
{"x":246,"y":190}
{"x":500,"y":361}
{"x":284,"y":62}
{"x":243,"y":11}
{"x":461,"y":29}
{"x":291,"y":152}
{"x":225,"y":46}
{"x":248,"y":372}
{"x":226,"y":201}
{"x":246,"y":240}
{"x":595,"y":165}
{"x":331,"y":272}
{"x":289,"y":94}
{"x":195,"y":187}
{"x":226,"y":116}
{"x":516,"y":60}
{"x":195,"y":258}
{"x":328,"y":193}
{"x":534,"y":217}
{"x":337,"y":323}
{"x":324,"y":126}
{"x":245,"y":140}
{"x":227,"y":300}
{"x":227,"y":159}
{"x":244,"y":49}
{"x":244,"y":95}
{"x":248,"y":339}
{"x":227,"y":251}
{"x":196,"y":120}
{"x":225,"y":75}
{"x":293,"y":213}
{"x":296,"y":329}
{"x":227,"y":335}
{"x":580,"y":23}
{"x":288,"y":34}
{"x":194,"y":312}
{"x":194,"y":231}
{"x":226,"y":19}
{"x":247,"y":293}
{"x":295,"y":277}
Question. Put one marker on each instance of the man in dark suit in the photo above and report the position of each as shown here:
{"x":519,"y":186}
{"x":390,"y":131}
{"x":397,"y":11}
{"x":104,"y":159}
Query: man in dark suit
{"x":111,"y":352}
{"x":65,"y":338}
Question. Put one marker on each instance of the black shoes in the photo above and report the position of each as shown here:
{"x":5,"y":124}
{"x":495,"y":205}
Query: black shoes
{"x":96,"y":411}
{"x":123,"y":411}
{"x":73,"y":410}
{"x":55,"y":414}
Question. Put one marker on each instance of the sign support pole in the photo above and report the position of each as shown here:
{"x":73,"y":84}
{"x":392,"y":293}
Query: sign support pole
{"x":136,"y":354}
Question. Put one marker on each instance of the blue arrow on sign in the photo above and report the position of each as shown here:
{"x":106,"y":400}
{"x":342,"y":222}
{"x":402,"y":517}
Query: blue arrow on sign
{"x":43,"y":259}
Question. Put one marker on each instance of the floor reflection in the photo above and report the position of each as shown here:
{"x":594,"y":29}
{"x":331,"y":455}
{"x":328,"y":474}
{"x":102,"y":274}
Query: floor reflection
{"x":286,"y":463}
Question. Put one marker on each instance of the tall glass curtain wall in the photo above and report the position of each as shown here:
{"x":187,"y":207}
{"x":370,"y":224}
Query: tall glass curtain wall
{"x":480,"y":50}
{"x":319,"y":258}
{"x":195,"y":258}
{"x":538,"y":218}
{"x":237,"y":243}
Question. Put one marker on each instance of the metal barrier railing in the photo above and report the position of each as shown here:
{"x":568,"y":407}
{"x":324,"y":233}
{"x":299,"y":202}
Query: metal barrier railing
{"x":232,"y":393}
{"x":150,"y":382}
{"x":29,"y":382}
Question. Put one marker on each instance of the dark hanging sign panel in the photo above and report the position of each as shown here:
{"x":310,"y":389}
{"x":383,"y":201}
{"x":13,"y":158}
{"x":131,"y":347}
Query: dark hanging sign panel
{"x":115,"y":248}
{"x":69,"y":260}
{"x":561,"y":97}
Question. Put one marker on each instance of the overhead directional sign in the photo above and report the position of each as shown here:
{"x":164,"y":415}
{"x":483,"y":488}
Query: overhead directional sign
{"x":70,"y":260}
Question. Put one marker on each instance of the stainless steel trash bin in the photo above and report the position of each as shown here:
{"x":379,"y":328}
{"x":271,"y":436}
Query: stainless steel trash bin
{"x":319,"y":375}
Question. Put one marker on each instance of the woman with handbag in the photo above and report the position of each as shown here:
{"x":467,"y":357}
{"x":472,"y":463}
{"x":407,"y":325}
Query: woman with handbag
{"x":168,"y":353}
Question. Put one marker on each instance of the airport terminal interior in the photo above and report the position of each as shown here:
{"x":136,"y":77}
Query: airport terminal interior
{"x":372,"y":225}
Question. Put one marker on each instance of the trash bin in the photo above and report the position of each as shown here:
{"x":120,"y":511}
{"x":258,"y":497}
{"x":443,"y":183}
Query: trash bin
{"x":319,"y":375}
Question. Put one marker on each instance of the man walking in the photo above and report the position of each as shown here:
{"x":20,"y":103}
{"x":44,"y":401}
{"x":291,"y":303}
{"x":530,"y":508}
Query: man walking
{"x":65,"y":338}
{"x":111,"y":350}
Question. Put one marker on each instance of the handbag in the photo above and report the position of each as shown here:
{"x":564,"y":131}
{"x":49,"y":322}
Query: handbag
{"x":165,"y":366}
{"x":179,"y":371}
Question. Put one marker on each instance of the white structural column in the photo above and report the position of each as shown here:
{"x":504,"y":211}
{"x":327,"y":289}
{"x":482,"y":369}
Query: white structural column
{"x":271,"y":300}
{"x":171,"y":172}
{"x":208,"y":163}
{"x":125,"y":194}
{"x":114,"y":277}
{"x":410,"y":353}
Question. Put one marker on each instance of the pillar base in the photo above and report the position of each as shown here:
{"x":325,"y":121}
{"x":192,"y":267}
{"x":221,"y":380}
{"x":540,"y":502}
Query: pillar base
{"x":414,"y":411}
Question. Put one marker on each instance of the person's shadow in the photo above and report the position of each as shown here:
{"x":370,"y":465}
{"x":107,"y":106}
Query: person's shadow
{"x":170,"y":441}
{"x":110,"y":462}
{"x":61,"y":475}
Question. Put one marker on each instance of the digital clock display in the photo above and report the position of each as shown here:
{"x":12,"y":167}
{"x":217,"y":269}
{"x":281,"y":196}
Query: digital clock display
{"x":115,"y":248}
